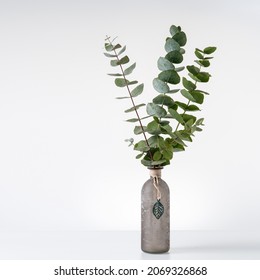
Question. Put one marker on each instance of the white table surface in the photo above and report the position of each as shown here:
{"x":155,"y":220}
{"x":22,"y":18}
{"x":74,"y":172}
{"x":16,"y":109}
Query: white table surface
{"x":118,"y":245}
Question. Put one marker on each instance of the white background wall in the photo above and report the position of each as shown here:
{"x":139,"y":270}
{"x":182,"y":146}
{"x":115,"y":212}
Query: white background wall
{"x":64,"y":164}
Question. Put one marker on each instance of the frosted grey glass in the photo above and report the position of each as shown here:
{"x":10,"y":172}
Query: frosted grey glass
{"x":155,"y":233}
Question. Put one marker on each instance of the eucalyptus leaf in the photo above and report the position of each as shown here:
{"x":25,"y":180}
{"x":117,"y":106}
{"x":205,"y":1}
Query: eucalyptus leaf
{"x":130,"y":69}
{"x":176,"y":115}
{"x":171,"y":45}
{"x":179,"y":69}
{"x":153,"y":141}
{"x":174,"y":57}
{"x":178,"y":148}
{"x":132,"y":83}
{"x":139,"y":130}
{"x":137,"y":91}
{"x":139,"y":156}
{"x":117,"y":46}
{"x":141,"y":146}
{"x":203,"y":77}
{"x":209,"y":50}
{"x":134,"y":108}
{"x":181,"y":105}
{"x":194,"y":77}
{"x":188,"y":84}
{"x":167,"y":154}
{"x":155,"y":110}
{"x":174,"y":30}
{"x":200,"y":121}
{"x":114,"y":62}
{"x":203,"y":62}
{"x":163,"y":99}
{"x":160,"y":86}
{"x":199,"y":97}
{"x":180,"y":38}
{"x":109,"y":55}
{"x":173,"y":91}
{"x":192,"y":108}
{"x":122,"y":50}
{"x":122,"y":97}
{"x":153,"y":128}
{"x":115,"y":75}
{"x":187,"y":95}
{"x":123,"y":60}
{"x":193,"y":69}
{"x":189,"y":118}
{"x":164,"y":64}
{"x":199,"y":54}
{"x":121,"y":82}
{"x":132,"y":120}
{"x":169,"y":76}
{"x":108,"y":47}
{"x":157,"y":155}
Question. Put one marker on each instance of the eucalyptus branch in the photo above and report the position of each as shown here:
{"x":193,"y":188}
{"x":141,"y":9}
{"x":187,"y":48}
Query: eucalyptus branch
{"x":132,"y":100}
{"x":158,"y":149}
{"x":188,"y":103}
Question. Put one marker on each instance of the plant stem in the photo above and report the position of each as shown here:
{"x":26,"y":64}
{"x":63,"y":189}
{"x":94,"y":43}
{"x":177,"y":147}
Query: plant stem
{"x":133,"y":103}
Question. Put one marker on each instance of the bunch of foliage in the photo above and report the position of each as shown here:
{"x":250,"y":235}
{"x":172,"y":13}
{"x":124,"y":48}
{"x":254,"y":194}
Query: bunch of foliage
{"x":171,"y":123}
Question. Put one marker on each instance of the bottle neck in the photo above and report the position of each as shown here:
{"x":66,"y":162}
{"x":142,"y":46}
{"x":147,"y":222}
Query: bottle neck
{"x":155,"y":172}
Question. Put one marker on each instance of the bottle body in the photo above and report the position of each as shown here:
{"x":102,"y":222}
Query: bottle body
{"x":155,"y":225}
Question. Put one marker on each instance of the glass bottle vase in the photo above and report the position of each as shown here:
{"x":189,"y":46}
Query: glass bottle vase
{"x":155,"y":225}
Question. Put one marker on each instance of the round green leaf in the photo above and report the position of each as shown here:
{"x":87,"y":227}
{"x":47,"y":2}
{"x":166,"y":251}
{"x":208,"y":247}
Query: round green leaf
{"x":153,"y":128}
{"x":180,"y":38}
{"x":199,"y":97}
{"x":193,"y":69}
{"x":160,"y":86}
{"x":169,"y":76}
{"x":174,"y":30}
{"x":163,"y":99}
{"x":171,"y":45}
{"x":174,"y":57}
{"x":203,"y":77}
{"x":141,"y":146}
{"x":164,"y":64}
{"x":121,"y":82}
{"x":157,"y":155}
{"x":155,"y":110}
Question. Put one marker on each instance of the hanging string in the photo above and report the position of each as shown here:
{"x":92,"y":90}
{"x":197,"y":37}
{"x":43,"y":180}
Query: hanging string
{"x":156,"y":185}
{"x":156,"y":174}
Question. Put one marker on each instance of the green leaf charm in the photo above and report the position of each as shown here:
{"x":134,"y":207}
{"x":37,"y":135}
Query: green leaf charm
{"x":158,"y":209}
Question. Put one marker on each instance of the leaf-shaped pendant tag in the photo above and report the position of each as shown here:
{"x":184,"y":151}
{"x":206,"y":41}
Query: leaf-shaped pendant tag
{"x":158,"y":209}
